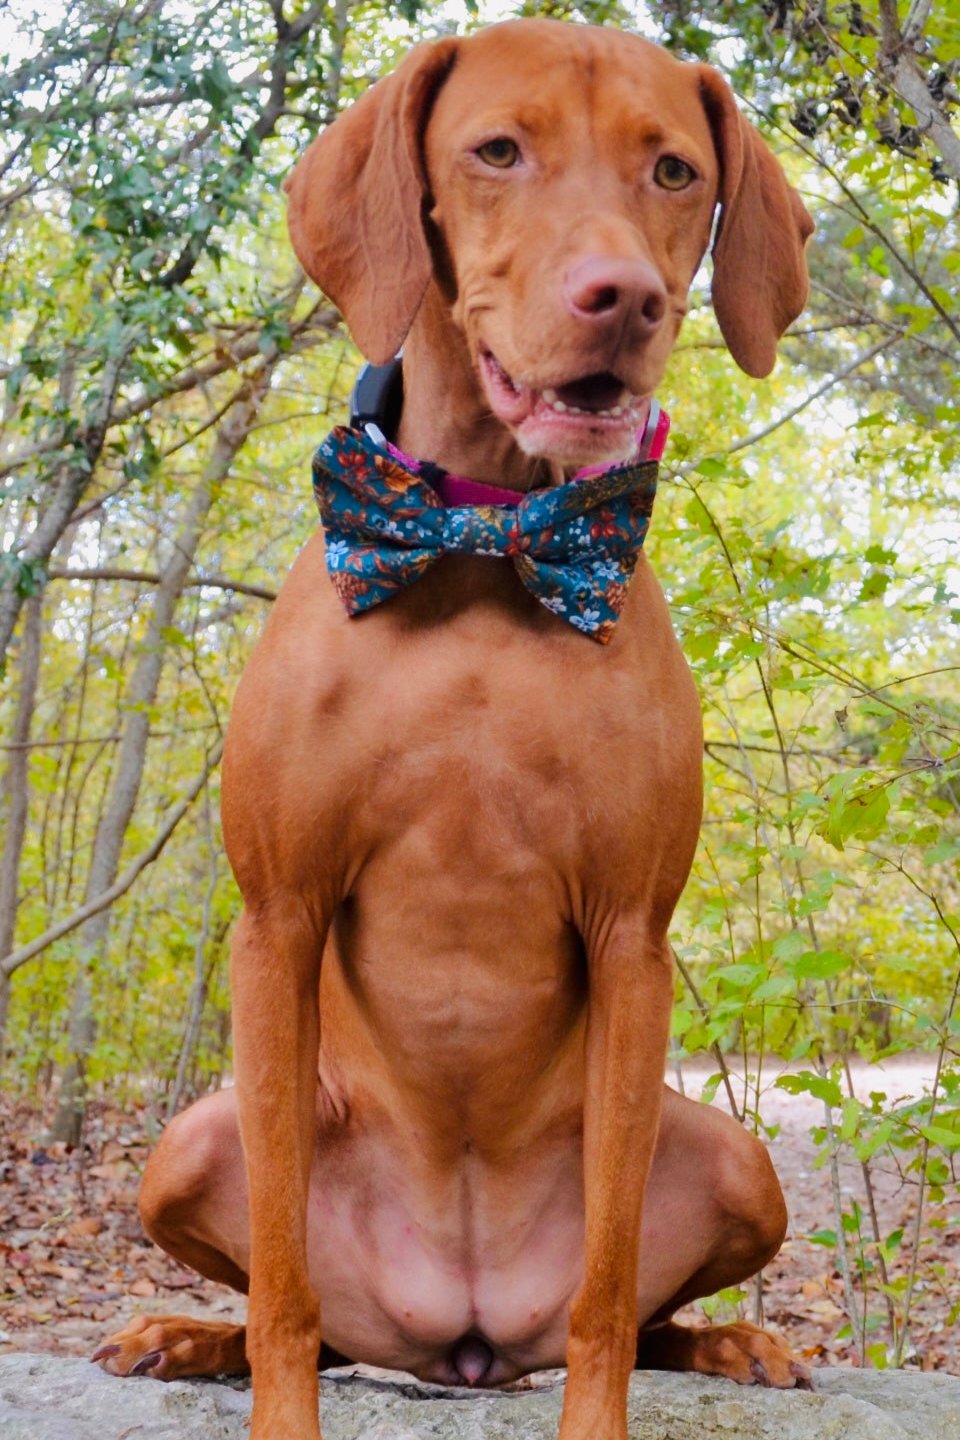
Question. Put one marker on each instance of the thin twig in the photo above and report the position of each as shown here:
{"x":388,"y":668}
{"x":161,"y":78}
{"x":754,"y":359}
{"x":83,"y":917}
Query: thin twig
{"x":715,"y":1048}
{"x":834,"y":379}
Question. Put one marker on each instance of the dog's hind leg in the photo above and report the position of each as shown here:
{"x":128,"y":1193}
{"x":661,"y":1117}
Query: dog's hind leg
{"x":193,"y":1204}
{"x":714,"y":1216}
{"x":193,"y":1189}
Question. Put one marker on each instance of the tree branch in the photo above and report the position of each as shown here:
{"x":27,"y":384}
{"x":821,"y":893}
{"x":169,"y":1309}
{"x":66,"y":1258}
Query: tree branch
{"x":898,"y":61}
{"x":152,"y":577}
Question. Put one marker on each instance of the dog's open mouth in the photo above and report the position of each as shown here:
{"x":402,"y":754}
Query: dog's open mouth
{"x":593,"y":417}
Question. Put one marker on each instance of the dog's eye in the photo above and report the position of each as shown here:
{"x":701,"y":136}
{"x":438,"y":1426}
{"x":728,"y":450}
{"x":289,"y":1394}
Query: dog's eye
{"x":501,"y":153}
{"x":672,"y":173}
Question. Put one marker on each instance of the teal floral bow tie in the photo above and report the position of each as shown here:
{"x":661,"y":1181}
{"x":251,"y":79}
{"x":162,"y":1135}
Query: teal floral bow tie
{"x":574,"y":546}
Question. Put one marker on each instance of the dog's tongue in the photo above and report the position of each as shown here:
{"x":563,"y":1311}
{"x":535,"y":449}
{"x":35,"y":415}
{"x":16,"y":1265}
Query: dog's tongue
{"x":593,"y":392}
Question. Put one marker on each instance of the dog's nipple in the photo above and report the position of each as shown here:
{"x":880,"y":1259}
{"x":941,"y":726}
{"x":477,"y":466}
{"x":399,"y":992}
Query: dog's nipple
{"x":471,"y":1358}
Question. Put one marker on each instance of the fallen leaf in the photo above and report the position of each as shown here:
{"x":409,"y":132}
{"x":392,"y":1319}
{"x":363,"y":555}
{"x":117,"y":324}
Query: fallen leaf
{"x":88,"y":1225}
{"x":115,"y":1170}
{"x":179,"y":1282}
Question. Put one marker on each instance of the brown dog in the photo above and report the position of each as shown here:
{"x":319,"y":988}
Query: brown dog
{"x":460,"y":826}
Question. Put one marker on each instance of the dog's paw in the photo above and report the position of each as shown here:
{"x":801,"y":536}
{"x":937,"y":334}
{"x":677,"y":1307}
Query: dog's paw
{"x":740,"y":1352}
{"x":168,"y":1347}
{"x":750,"y":1356}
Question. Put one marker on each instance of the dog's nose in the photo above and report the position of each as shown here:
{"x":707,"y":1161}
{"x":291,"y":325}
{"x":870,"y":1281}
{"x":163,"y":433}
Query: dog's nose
{"x":604,"y":288}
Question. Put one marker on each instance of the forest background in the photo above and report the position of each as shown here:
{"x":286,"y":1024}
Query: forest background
{"x":166,"y":373}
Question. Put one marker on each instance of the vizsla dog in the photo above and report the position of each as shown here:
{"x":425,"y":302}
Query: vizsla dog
{"x":460,"y":825}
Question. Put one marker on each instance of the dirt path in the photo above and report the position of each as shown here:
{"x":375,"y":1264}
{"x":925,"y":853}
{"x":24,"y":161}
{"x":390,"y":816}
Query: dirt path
{"x":74,"y":1263}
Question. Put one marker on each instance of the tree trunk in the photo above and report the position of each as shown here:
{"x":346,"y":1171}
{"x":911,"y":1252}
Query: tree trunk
{"x":14,"y":793}
{"x":142,"y":693}
{"x":201,"y":979}
{"x":72,"y":481}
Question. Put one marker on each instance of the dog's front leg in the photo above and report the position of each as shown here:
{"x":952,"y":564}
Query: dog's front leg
{"x":275,"y":977}
{"x":630,"y":995}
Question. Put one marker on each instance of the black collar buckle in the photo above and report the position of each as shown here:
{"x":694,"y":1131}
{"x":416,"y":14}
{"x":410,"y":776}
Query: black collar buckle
{"x":377,"y":398}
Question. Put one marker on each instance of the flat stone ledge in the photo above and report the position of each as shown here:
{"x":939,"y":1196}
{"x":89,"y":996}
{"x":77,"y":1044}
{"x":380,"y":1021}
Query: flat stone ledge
{"x":45,"y":1397}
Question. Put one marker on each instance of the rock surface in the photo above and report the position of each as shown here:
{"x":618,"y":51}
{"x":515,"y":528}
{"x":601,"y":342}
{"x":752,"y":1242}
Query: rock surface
{"x":44,"y":1397}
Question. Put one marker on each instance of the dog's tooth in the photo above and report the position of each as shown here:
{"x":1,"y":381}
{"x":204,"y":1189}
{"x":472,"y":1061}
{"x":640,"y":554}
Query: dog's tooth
{"x":617,"y":410}
{"x":559,"y":406}
{"x":550,"y":396}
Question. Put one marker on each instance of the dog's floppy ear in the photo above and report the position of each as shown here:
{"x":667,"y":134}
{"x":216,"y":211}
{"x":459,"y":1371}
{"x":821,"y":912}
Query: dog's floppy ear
{"x":759,"y":269}
{"x":356,"y":203}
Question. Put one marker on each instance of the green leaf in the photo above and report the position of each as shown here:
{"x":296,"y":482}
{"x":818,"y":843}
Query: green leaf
{"x":807,"y":1083}
{"x":863,"y":816}
{"x":850,"y":1118}
{"x":790,"y":946}
{"x":820,"y":964}
{"x":942,"y":1137}
{"x":877,"y":1355}
{"x":943,"y":850}
{"x":711,"y":466}
{"x":773,"y":989}
{"x":740,"y":976}
{"x":892,"y":1244}
{"x":874,"y":585}
{"x":877,"y":555}
{"x":701,"y":646}
{"x":215,"y":83}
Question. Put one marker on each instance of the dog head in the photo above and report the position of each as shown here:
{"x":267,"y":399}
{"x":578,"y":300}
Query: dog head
{"x":557,"y":184}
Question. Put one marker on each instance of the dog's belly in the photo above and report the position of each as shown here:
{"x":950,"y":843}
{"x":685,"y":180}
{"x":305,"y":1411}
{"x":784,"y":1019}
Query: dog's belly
{"x":452,"y":1190}
{"x":461,"y":1274}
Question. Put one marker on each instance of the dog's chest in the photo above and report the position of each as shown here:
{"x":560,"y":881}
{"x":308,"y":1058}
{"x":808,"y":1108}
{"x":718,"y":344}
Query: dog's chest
{"x":509,"y":741}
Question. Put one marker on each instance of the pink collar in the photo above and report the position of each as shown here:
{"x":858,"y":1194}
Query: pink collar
{"x":458,"y":490}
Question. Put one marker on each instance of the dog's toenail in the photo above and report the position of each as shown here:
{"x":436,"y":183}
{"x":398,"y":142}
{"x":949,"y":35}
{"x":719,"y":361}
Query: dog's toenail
{"x":106,"y":1352}
{"x":147,"y":1362}
{"x":759,"y":1372}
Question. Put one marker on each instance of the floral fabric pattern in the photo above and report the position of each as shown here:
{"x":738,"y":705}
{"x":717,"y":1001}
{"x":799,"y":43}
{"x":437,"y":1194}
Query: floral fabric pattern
{"x":574,"y":546}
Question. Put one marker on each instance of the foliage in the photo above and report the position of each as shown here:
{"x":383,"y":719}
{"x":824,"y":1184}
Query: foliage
{"x":805,"y":537}
{"x":821,"y":622}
